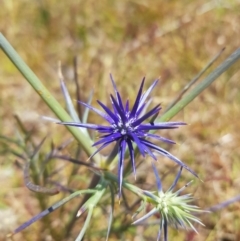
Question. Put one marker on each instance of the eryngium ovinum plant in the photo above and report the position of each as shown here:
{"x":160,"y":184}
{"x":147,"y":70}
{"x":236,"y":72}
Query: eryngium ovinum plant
{"x":131,"y":128}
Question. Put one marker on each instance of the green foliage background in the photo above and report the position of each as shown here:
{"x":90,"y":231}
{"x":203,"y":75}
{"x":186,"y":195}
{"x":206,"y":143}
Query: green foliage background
{"x":130,"y":39}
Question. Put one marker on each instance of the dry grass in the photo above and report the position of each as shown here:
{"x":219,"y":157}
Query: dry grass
{"x":171,"y":39}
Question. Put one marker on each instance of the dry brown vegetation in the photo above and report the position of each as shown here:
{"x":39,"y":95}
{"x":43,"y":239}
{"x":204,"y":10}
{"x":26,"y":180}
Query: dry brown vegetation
{"x":130,"y":39}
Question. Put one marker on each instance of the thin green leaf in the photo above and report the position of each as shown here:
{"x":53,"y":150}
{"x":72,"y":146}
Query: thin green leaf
{"x":47,"y":97}
{"x":201,"y":86}
{"x":86,"y":224}
{"x":90,"y":204}
{"x":51,"y":209}
{"x":78,"y":91}
{"x":111,"y":211}
{"x":194,"y":80}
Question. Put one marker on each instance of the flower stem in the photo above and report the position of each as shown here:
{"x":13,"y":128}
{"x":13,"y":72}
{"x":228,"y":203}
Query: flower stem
{"x":45,"y":95}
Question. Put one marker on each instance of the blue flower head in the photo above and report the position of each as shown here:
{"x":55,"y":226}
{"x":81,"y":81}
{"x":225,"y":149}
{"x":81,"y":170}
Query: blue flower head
{"x":126,"y":126}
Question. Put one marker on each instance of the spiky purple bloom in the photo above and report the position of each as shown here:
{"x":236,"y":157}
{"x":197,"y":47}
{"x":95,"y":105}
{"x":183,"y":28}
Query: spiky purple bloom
{"x":126,"y":127}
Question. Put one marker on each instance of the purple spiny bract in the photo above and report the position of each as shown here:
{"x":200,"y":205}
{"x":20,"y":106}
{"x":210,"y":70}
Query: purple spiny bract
{"x":126,"y":127}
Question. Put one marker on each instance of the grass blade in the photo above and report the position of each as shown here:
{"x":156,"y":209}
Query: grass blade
{"x":194,"y":80}
{"x":201,"y":86}
{"x":50,"y":209}
{"x":45,"y":95}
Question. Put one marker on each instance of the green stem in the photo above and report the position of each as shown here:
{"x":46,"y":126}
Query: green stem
{"x":194,"y":80}
{"x":91,"y":204}
{"x":201,"y":86}
{"x":130,"y":187}
{"x":85,"y":226}
{"x":45,"y":95}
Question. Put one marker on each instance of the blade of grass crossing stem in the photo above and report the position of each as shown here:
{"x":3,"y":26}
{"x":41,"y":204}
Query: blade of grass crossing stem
{"x":45,"y":95}
{"x":193,"y":81}
{"x":201,"y":86}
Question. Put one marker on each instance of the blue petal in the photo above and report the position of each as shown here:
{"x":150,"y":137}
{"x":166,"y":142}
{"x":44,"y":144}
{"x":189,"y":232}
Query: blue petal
{"x":127,"y":106}
{"x":176,"y":179}
{"x":165,"y":224}
{"x":136,"y":104}
{"x":149,"y":214}
{"x":114,"y":84}
{"x":102,"y":114}
{"x":151,"y":195}
{"x":116,"y":92}
{"x":182,"y":188}
{"x":110,"y":137}
{"x":173,"y":123}
{"x":131,"y":152}
{"x":148,"y":114}
{"x":100,"y":148}
{"x":160,"y":230}
{"x":122,"y":148}
{"x":142,"y":147}
{"x":160,"y":138}
{"x":140,"y":109}
{"x":167,"y":154}
{"x":149,"y":152}
{"x":148,"y":127}
{"x":108,"y":111}
{"x":138,"y":143}
{"x":159,"y":126}
{"x":154,"y":117}
{"x":120,"y":102}
{"x":119,"y":109}
{"x":159,"y":184}
{"x":89,"y":126}
{"x":105,"y":130}
{"x":147,"y":93}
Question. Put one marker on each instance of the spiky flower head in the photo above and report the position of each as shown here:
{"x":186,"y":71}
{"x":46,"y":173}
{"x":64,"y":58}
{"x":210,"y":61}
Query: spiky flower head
{"x":173,"y":209}
{"x":126,"y":126}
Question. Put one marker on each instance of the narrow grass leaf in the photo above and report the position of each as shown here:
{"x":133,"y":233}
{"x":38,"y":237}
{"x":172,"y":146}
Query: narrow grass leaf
{"x":51,"y":209}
